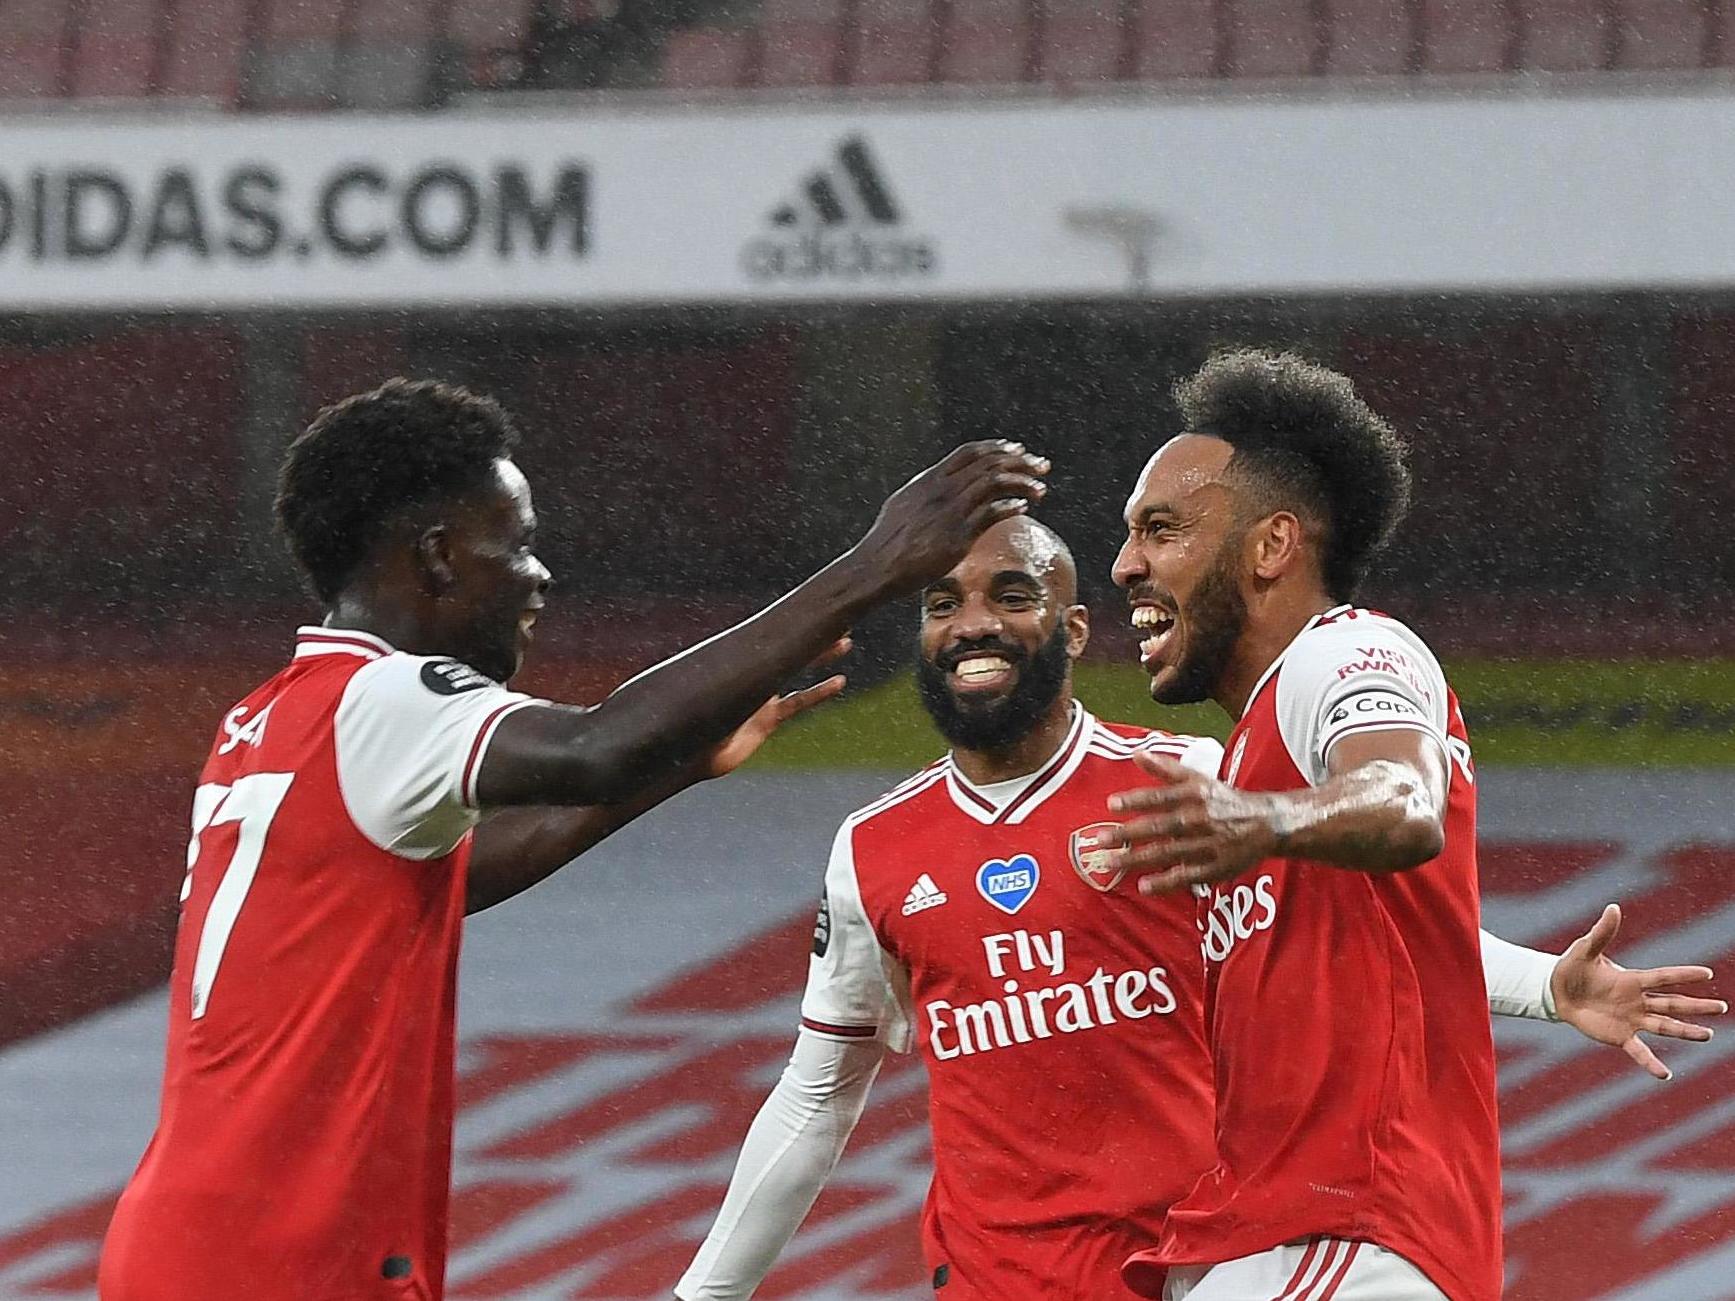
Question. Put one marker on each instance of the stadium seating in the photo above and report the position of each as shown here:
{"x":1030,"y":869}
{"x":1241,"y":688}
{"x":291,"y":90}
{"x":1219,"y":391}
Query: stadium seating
{"x":893,"y":43}
{"x":34,"y":38}
{"x":1083,"y":41}
{"x":1662,"y":34}
{"x":1466,"y":36}
{"x":1176,"y":38}
{"x":297,"y":59}
{"x":1564,"y":36}
{"x":1369,"y":37}
{"x":117,"y":44}
{"x":705,"y":58}
{"x":987,"y":42}
{"x":207,"y":52}
{"x":799,"y":42}
{"x":1275,"y":38}
{"x":382,"y":54}
{"x":389,"y":53}
{"x":487,"y":36}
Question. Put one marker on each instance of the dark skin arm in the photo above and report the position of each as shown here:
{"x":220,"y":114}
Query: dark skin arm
{"x":1382,"y":808}
{"x":516,"y":848}
{"x":666,"y":717}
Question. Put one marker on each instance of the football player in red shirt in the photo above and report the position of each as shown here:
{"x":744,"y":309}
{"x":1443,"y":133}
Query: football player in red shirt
{"x":339,"y":837}
{"x":970,"y":913}
{"x":1334,"y":855}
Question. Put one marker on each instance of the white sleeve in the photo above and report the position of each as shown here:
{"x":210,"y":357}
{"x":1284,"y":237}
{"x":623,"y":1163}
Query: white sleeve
{"x":790,"y":1151}
{"x":854,"y":988}
{"x":1520,"y":980}
{"x":410,"y":736}
{"x":1356,"y":675}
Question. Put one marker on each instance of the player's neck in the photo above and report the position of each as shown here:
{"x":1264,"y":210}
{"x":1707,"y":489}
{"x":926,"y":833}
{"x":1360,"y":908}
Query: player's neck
{"x":395,"y":627}
{"x":1267,"y":635}
{"x":1024,"y":756}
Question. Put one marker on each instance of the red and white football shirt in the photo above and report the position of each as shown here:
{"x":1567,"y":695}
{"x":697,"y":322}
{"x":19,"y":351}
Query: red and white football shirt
{"x":304,"y":1145}
{"x":1057,"y":1010}
{"x":1347,"y":1011}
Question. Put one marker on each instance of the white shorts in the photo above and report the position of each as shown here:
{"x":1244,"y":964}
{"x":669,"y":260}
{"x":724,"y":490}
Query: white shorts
{"x":1312,"y":1269}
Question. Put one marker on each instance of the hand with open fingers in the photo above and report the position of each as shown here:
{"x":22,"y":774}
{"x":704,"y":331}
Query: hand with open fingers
{"x":1189,"y":829}
{"x":928,"y":525}
{"x":744,"y":742}
{"x":1606,"y":1002}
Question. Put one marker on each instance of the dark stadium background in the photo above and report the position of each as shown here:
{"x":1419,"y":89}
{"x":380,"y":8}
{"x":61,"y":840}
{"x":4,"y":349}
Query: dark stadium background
{"x":1570,"y":555}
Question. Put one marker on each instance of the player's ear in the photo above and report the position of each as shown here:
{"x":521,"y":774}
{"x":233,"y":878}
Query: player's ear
{"x":1276,"y":543}
{"x":1077,"y":630}
{"x":433,"y":549}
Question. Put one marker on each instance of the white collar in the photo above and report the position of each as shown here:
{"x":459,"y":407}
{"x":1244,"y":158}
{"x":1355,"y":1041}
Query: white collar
{"x":1011,"y":802}
{"x":315,"y":639}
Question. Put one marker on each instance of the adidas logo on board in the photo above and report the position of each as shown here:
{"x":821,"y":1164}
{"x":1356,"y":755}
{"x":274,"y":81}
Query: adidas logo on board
{"x":844,"y":223}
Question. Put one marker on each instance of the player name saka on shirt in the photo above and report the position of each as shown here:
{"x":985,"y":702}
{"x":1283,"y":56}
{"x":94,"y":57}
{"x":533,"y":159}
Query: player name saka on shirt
{"x":1023,"y":1016}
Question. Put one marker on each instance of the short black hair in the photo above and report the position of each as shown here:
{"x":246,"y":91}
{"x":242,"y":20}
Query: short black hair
{"x":365,"y":460}
{"x":1307,"y":439}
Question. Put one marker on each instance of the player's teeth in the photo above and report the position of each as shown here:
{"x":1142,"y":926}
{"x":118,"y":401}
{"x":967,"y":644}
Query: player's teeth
{"x":980,"y":668}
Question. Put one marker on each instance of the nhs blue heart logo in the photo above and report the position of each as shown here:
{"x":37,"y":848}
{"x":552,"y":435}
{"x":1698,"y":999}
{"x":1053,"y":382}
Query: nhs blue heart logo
{"x":1008,"y":885}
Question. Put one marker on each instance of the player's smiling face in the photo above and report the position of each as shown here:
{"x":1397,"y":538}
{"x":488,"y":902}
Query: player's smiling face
{"x":1179,"y":566}
{"x":500,"y":582}
{"x":998,"y":637}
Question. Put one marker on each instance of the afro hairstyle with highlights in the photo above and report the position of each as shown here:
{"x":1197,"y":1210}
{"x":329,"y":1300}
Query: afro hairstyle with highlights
{"x":368,"y":459}
{"x":1306,"y":442}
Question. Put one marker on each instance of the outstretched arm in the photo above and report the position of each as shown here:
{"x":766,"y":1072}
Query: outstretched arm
{"x":1598,"y":997}
{"x":516,"y":848}
{"x":662,"y":719}
{"x":789,"y":1153}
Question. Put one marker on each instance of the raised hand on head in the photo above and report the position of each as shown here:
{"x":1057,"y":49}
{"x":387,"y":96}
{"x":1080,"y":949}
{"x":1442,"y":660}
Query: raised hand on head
{"x":927,"y":526}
